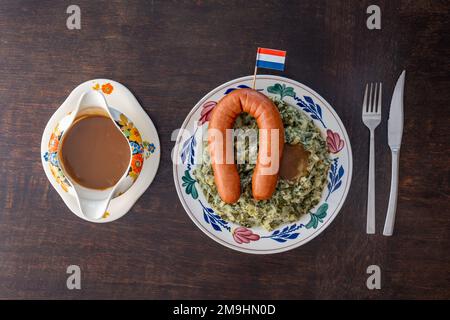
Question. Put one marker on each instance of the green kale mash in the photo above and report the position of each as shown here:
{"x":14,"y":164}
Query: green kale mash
{"x":291,"y":199}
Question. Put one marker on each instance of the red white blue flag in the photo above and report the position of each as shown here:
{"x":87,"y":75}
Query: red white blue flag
{"x":270,"y":59}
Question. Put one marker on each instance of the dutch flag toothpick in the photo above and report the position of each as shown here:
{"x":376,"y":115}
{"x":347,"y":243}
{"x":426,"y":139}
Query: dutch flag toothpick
{"x":269,"y":59}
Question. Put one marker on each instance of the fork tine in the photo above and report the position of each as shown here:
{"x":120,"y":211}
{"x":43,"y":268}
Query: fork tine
{"x":370,"y":104}
{"x":375,"y":97}
{"x":379,"y":99}
{"x":365,"y":100}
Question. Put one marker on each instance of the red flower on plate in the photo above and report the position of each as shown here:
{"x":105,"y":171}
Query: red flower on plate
{"x":207,"y":109}
{"x":244,"y":235}
{"x":136,"y":163}
{"x":334,"y":142}
{"x":107,"y":88}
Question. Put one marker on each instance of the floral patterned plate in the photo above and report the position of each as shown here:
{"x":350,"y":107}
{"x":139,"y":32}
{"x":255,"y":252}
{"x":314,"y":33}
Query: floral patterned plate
{"x":135,"y":125}
{"x":258,"y":240}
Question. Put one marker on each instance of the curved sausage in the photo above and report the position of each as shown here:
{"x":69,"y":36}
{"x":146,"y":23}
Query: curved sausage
{"x":265,"y":174}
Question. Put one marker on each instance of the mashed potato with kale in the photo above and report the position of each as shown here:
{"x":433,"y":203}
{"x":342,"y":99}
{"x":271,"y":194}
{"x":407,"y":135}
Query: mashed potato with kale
{"x":291,"y":199}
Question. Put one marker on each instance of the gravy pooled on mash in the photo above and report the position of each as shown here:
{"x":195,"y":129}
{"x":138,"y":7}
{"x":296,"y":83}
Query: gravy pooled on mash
{"x":294,"y":162}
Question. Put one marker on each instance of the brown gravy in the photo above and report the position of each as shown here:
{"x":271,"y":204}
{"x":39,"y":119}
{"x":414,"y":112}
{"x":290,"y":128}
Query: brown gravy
{"x":94,"y":153}
{"x":294,"y":162}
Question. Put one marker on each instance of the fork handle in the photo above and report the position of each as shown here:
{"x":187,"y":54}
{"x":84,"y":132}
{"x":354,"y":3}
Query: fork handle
{"x":392,"y":207}
{"x":371,"y":187}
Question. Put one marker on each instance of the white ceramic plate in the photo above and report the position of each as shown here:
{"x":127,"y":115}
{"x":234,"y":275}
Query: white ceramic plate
{"x":258,"y":240}
{"x":121,"y":101}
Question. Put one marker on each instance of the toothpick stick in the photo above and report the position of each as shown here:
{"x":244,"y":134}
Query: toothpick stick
{"x":254,"y":77}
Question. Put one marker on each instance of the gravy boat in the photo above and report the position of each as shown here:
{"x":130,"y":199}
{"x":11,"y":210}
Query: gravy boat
{"x":92,"y":203}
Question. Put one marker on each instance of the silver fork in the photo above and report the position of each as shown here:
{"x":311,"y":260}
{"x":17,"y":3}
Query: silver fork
{"x":371,"y":117}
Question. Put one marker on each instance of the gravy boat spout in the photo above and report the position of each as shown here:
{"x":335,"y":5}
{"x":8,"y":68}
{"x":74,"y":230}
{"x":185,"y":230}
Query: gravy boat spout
{"x":93,"y":203}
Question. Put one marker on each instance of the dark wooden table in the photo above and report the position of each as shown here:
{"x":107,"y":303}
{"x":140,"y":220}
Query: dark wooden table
{"x":172,"y":53}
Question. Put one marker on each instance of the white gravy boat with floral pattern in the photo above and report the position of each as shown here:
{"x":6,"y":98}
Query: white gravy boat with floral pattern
{"x":92,"y":202}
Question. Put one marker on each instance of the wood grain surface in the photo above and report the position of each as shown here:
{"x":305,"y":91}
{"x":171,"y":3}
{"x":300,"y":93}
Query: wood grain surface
{"x":171,"y":53}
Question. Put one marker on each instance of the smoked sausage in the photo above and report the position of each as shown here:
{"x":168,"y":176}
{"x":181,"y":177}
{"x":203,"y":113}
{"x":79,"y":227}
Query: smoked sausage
{"x":271,"y":142}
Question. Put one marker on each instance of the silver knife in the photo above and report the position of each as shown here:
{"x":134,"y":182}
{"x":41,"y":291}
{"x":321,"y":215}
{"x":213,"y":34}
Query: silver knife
{"x":395,"y":131}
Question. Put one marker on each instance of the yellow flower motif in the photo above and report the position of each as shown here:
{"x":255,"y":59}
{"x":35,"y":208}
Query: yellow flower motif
{"x":96,"y":87}
{"x":57,"y":175}
{"x":135,"y":135}
{"x":105,"y":215}
{"x":124,"y":123}
{"x":133,"y":175}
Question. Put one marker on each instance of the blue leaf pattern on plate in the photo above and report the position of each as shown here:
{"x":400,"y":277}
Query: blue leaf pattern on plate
{"x":287,"y":233}
{"x":335,"y":177}
{"x":313,"y":109}
{"x":242,"y":86}
{"x":188,"y":151}
{"x":213,"y":219}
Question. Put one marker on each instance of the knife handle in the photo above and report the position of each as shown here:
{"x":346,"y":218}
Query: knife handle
{"x":392,"y":207}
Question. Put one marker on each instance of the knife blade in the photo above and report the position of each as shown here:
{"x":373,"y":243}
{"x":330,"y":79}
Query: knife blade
{"x":395,"y":132}
{"x":395,"y":121}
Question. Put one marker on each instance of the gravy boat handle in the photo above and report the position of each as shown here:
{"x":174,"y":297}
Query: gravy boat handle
{"x":92,"y":99}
